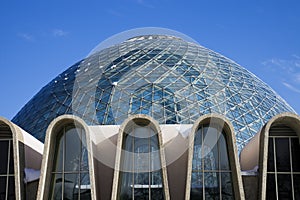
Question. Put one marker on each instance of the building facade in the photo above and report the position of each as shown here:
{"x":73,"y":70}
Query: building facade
{"x":154,"y":117}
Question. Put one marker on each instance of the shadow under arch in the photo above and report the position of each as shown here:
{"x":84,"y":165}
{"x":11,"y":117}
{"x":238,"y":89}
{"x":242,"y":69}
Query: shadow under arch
{"x":223,"y":126}
{"x":126,"y":127}
{"x":51,"y":142}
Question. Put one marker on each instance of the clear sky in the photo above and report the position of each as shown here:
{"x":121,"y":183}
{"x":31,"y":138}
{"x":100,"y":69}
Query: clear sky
{"x":40,"y":39}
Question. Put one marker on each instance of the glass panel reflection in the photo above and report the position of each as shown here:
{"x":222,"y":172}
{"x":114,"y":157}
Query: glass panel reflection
{"x":58,"y":167}
{"x":141,"y":174}
{"x":72,"y":154}
{"x":70,"y":177}
{"x":210,"y":161}
{"x":212,"y":186}
{"x":57,"y":186}
{"x":227,"y":189}
{"x":224,"y":161}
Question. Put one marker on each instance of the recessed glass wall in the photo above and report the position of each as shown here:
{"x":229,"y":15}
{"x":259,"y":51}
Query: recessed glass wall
{"x":140,"y":172}
{"x":283,"y":169}
{"x":7,"y":177}
{"x":211,"y":172}
{"x":70,"y":174}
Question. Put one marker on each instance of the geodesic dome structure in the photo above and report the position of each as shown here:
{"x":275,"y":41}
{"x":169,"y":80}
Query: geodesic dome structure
{"x":165,"y":77}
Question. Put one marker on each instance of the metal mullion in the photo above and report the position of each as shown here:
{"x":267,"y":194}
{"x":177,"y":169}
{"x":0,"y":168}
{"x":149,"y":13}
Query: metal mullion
{"x":149,"y":162}
{"x":202,"y":162}
{"x":282,"y":136}
{"x":133,"y":166}
{"x":218,"y":171}
{"x":63,"y":164}
{"x":7,"y":171}
{"x":219,"y":163}
{"x":5,"y":175}
{"x":291,"y":163}
{"x":79,"y":169}
{"x":275,"y":167}
{"x":74,"y":172}
{"x":6,"y":139}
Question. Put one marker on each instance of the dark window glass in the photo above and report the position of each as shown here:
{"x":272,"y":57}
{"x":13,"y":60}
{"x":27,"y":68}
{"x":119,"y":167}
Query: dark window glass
{"x":11,"y":187}
{"x":284,"y":186}
{"x":271,"y":187}
{"x":57,"y":186}
{"x":295,"y":154}
{"x":282,"y":155}
{"x":2,"y":187}
{"x":282,"y":179}
{"x":3,"y":156}
{"x":196,"y":193}
{"x":7,"y":182}
{"x":271,"y":156}
{"x":297,"y":186}
{"x":59,"y":152}
{"x":11,"y":159}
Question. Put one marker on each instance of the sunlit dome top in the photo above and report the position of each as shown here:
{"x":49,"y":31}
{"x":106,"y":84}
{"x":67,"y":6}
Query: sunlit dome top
{"x":165,"y":77}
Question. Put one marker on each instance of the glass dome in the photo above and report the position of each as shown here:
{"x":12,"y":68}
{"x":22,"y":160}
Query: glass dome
{"x":165,"y":77}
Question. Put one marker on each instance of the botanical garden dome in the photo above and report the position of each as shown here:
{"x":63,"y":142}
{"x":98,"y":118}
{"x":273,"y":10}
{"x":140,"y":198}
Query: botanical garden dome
{"x":172,"y":80}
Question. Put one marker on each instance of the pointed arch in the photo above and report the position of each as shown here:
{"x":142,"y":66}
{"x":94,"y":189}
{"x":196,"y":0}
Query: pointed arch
{"x":278,"y":159}
{"x":140,"y":167}
{"x":67,"y":167}
{"x":213,"y":167}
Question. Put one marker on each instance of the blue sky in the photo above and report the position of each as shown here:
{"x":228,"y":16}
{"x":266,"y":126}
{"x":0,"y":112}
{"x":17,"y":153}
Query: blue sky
{"x":40,"y":39}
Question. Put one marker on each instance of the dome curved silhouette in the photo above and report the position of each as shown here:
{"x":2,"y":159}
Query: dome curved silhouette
{"x":165,"y":77}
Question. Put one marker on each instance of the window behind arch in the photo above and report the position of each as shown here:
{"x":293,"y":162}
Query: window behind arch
{"x":70,"y":173}
{"x":140,"y":171}
{"x":7,"y":176}
{"x":211,"y":172}
{"x":283,"y":168}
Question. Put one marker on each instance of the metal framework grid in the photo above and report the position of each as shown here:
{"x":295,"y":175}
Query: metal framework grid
{"x":165,"y":77}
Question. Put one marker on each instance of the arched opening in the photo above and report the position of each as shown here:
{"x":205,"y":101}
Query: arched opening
{"x":70,"y":172}
{"x":211,"y":176}
{"x":140,"y":175}
{"x":283,"y":164}
{"x":7,"y":174}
